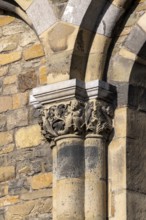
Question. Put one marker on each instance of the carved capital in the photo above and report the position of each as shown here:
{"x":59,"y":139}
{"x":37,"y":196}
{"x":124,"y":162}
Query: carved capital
{"x":76,"y":117}
{"x":98,"y":118}
{"x":62,"y":119}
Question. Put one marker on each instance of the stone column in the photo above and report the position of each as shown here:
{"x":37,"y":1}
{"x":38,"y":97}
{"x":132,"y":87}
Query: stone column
{"x":77,"y":122}
{"x":62,"y":124}
{"x":98,"y":126}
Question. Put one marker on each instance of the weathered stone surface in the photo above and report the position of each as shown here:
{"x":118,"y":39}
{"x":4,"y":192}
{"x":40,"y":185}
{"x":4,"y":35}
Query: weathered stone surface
{"x":24,"y":3}
{"x":43,"y":75}
{"x":9,"y":58}
{"x":136,"y":208}
{"x":119,"y":3}
{"x":21,"y":210}
{"x":132,"y":43}
{"x":41,"y":181}
{"x":4,"y":20}
{"x":9,"y":43}
{"x":117,"y":159}
{"x":14,"y":29}
{"x":8,"y":200}
{"x":6,"y":149}
{"x":107,"y":25}
{"x":19,"y":100}
{"x":142,"y":23}
{"x":7,"y":173}
{"x":28,"y":37}
{"x":3,"y":71}
{"x":10,"y":79}
{"x":3,"y":121}
{"x":15,"y":119}
{"x":3,"y":190}
{"x":25,"y":136}
{"x":6,"y":138}
{"x":41,"y":15}
{"x":18,"y":186}
{"x":27,"y":81}
{"x":120,"y":120}
{"x":42,"y":193}
{"x":59,"y":36}
{"x":120,"y":69}
{"x":34,"y":51}
{"x":10,"y":89}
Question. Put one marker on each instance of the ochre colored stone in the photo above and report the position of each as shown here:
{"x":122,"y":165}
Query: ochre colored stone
{"x":36,"y":194}
{"x":34,"y":51}
{"x":10,"y":79}
{"x":41,"y":181}
{"x":4,"y":20}
{"x":9,"y":57}
{"x":9,"y":43}
{"x":43,"y":75}
{"x":127,"y":54}
{"x":9,"y":200}
{"x":19,"y":100}
{"x":5,"y":138}
{"x":7,"y":149}
{"x":6,"y":173}
{"x":3,"y":190}
{"x":24,"y":3}
{"x":20,"y":210}
{"x":28,"y":136}
{"x":7,"y":103}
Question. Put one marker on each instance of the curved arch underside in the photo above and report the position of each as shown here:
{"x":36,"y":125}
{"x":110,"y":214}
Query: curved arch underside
{"x":95,"y":23}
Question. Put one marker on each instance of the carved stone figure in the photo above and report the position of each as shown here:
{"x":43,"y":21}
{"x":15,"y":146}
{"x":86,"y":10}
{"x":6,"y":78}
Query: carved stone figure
{"x":62,"y":119}
{"x":99,"y":118}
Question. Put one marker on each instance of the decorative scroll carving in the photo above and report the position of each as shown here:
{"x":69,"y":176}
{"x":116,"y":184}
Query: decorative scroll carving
{"x":98,"y":118}
{"x":62,"y":119}
{"x":94,"y":117}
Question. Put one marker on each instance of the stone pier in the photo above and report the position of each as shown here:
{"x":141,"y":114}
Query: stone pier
{"x":76,"y":119}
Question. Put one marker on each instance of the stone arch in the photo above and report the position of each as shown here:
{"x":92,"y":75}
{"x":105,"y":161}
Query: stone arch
{"x":93,"y":57}
{"x":86,"y":59}
{"x":127,"y":149}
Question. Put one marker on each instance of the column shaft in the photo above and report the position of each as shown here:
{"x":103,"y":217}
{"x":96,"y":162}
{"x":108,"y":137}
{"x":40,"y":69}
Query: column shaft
{"x":70,"y":178}
{"x":95,"y":178}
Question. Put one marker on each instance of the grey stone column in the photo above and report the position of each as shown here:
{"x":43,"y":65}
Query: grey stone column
{"x":77,"y":122}
{"x":98,"y":127}
{"x":63,"y":124}
{"x":95,"y":178}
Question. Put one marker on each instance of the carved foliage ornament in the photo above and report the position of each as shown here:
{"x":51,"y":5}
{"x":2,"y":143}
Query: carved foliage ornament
{"x":63,"y":119}
{"x":93,"y":117}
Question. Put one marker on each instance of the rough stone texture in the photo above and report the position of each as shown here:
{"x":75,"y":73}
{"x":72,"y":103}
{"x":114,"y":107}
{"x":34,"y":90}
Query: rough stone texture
{"x":27,"y":81}
{"x":21,"y":59}
{"x":106,"y":25}
{"x":41,"y":181}
{"x":25,"y":136}
{"x":9,"y":58}
{"x":6,"y":173}
{"x":33,"y":52}
{"x":25,"y":158}
{"x":41,"y":15}
{"x":7,"y":103}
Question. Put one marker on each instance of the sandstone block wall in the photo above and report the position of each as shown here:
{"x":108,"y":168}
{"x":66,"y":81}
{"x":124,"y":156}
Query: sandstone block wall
{"x":69,"y":48}
{"x":25,"y":157}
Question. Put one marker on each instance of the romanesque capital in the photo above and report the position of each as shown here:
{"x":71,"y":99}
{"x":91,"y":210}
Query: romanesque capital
{"x":62,"y":119}
{"x":74,"y":107}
